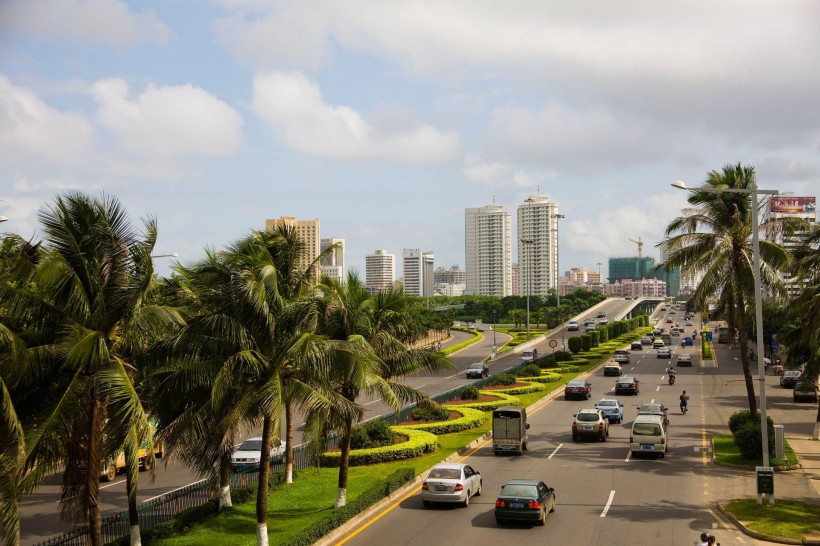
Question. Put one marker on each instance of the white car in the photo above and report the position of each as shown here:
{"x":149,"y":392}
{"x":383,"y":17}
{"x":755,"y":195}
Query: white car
{"x":572,"y":325}
{"x":250,"y":453}
{"x":451,"y":482}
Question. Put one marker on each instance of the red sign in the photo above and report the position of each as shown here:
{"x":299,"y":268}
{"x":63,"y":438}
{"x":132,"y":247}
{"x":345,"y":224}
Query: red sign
{"x":793,"y":205}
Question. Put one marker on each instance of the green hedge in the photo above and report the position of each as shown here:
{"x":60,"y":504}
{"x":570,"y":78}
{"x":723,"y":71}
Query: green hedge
{"x":580,"y":361}
{"x":341,"y":515}
{"x":548,"y":377}
{"x":450,"y":350}
{"x":418,"y":442}
{"x":470,"y":418}
{"x":531,"y":387}
{"x":504,"y":400}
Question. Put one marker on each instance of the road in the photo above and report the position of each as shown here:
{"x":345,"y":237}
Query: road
{"x":39,"y":514}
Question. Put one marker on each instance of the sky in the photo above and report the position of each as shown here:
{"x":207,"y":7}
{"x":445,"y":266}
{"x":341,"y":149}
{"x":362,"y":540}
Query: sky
{"x":386,"y":120}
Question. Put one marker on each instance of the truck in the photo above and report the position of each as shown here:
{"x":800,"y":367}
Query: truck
{"x":510,"y":430}
{"x":147,"y":460}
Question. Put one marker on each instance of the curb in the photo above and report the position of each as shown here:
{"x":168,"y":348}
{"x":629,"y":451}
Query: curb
{"x":754,"y":534}
{"x":787,"y":468}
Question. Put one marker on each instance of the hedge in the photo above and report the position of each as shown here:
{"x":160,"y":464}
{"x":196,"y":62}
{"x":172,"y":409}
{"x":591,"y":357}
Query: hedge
{"x":504,"y":400}
{"x":478,"y":337}
{"x":418,"y":442}
{"x":470,"y":418}
{"x":548,"y":377}
{"x":531,"y":387}
{"x":338,"y":516}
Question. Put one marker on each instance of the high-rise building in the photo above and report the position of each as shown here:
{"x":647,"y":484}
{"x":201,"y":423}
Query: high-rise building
{"x":307,"y":231}
{"x":332,"y":264}
{"x":634,"y":268}
{"x":516,"y":280}
{"x":380,"y":270}
{"x":449,"y":282}
{"x":538,"y":245}
{"x":787,"y":206}
{"x":488,"y":250}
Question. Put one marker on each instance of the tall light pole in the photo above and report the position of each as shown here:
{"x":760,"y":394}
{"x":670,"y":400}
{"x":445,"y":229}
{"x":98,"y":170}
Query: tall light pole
{"x":558,"y":279}
{"x":527,"y":243}
{"x":494,"y":325}
{"x":753,"y":191}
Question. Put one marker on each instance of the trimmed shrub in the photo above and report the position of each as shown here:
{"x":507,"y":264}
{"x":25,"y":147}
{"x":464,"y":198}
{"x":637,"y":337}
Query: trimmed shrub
{"x":469,"y":393}
{"x":470,"y":418}
{"x":503,"y":400}
{"x":595,"y":338}
{"x":503,"y":379}
{"x":418,"y":443}
{"x":530,"y":370}
{"x":359,"y":438}
{"x":545,"y":362}
{"x":568,"y":369}
{"x":563,"y":356}
{"x":429,"y":411}
{"x":575,"y":344}
{"x":530,"y":387}
{"x":740,"y":418}
{"x":747,"y":440}
{"x":548,"y":377}
{"x":374,"y":434}
{"x":586,"y":342}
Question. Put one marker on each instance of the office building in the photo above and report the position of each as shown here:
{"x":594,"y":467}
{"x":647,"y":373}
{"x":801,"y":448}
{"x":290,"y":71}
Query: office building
{"x":332,"y":264}
{"x":307,"y":231}
{"x":488,"y":251}
{"x":380,"y":270}
{"x":786,"y":206}
{"x":636,"y":288}
{"x":449,"y":282}
{"x":631,"y":268}
{"x":537,"y":245}
{"x":418,"y":272}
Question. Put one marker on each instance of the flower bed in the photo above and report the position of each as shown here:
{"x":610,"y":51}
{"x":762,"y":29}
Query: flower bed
{"x":499,"y":399}
{"x":418,"y":443}
{"x":468,"y":418}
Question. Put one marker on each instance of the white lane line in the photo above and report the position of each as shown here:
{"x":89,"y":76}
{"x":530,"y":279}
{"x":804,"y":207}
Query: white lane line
{"x":653,"y":401}
{"x":628,"y":456}
{"x":554,"y":451}
{"x":421,"y":386}
{"x":102,"y":487}
{"x":658,"y":388}
{"x":368,"y":403}
{"x":608,"y":503}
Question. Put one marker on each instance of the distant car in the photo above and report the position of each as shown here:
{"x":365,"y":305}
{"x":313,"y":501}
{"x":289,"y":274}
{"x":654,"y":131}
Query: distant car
{"x":250,"y":453}
{"x":621,"y":356}
{"x":627,"y":384}
{"x":590,"y":327}
{"x":572,"y":325}
{"x":672,"y":312}
{"x":789,"y":379}
{"x":524,"y":500}
{"x":612,"y":368}
{"x":688,"y":341}
{"x":688,"y":322}
{"x":684,"y":359}
{"x":590,"y":423}
{"x":611,"y":408}
{"x":658,"y":344}
{"x":601,"y":315}
{"x":578,"y":388}
{"x":804,"y":390}
{"x":479,"y":369}
{"x":664,"y":352}
{"x":529,"y":355}
{"x":636,"y":346}
{"x":589,"y":321}
{"x":654,"y":409}
{"x":646,"y":340}
{"x":669,"y":321}
{"x":602,"y":322}
{"x":479,"y":329}
{"x":451,"y":483}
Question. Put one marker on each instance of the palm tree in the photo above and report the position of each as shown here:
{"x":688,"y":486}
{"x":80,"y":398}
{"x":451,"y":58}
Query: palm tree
{"x":712,"y":237}
{"x":370,"y":355}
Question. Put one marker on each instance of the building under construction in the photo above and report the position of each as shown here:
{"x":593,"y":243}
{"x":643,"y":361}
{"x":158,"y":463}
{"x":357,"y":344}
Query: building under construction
{"x":634,"y":267}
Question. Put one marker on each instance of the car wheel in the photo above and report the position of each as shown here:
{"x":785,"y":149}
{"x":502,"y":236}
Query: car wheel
{"x":552,"y":505}
{"x":566,"y":397}
{"x":524,"y":447}
{"x":543,"y":519}
{"x":466,"y":502}
{"x":603,"y":437}
{"x":663,"y":454}
{"x":148,"y":463}
{"x":574,"y":437}
{"x":607,"y":432}
{"x":499,"y":521}
{"x":110,"y":473}
{"x":478,"y":493}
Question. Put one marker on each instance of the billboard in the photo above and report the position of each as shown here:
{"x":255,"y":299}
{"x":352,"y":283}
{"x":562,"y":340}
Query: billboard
{"x":793,"y":205}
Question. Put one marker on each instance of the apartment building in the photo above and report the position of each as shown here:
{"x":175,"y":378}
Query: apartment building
{"x":380,"y":270}
{"x":307,"y":231}
{"x":537,"y":245}
{"x":488,"y":251}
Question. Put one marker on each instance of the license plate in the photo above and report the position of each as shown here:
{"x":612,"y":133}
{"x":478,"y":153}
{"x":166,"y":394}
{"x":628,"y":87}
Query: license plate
{"x":647,"y":448}
{"x":516,"y":505}
{"x":441,"y":488}
{"x":587,"y":427}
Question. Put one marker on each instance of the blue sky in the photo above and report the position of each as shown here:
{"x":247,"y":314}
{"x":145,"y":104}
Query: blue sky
{"x":387,"y":119}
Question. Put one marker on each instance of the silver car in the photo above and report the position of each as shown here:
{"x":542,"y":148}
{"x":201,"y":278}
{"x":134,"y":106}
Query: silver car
{"x":451,"y":482}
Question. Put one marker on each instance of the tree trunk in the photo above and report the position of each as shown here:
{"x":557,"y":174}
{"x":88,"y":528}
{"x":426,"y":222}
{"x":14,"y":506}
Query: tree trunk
{"x":816,"y":435}
{"x":740,"y":314}
{"x":288,"y":443}
{"x":344,"y":463}
{"x":225,"y":481}
{"x":95,"y":423}
{"x":131,"y":478}
{"x":262,"y":490}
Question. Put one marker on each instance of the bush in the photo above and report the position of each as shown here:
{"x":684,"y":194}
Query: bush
{"x":504,"y":379}
{"x":418,"y":443}
{"x":359,"y":438}
{"x":545,"y":362}
{"x":530,"y":370}
{"x":740,"y":418}
{"x":470,"y":418}
{"x":469,"y":393}
{"x":586,"y":342}
{"x":429,"y":411}
{"x":563,"y":356}
{"x":747,"y":439}
{"x":374,"y":434}
{"x":575,"y":344}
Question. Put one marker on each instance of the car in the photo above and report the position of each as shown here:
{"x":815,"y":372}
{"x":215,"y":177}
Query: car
{"x":590,"y":423}
{"x":589,"y":321}
{"x":572,"y":325}
{"x":479,"y":329}
{"x":528,"y":355}
{"x":684,"y":359}
{"x":451,"y":483}
{"x":578,"y":388}
{"x":650,"y":408}
{"x":646,"y":340}
{"x":674,"y":332}
{"x":479,"y":369}
{"x":601,"y":315}
{"x":658,"y":343}
{"x":524,"y":500}
{"x":672,"y":312}
{"x":648,"y":435}
{"x":612,"y":368}
{"x":804,"y":390}
{"x":789,"y":379}
{"x":250,"y":453}
{"x":602,"y":322}
{"x":627,"y":384}
{"x":611,"y":408}
{"x":590,"y":327}
{"x":688,"y":322}
{"x":664,"y":352}
{"x":636,"y":346}
{"x":621,"y":356}
{"x":669,"y":321}
{"x":688,"y":341}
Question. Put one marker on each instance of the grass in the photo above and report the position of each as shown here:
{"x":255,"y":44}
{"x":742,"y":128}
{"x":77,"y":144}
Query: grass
{"x":787,"y":519}
{"x":726,"y":452}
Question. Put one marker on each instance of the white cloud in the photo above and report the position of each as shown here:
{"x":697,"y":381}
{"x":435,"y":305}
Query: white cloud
{"x":108,"y":22}
{"x":294,"y":107}
{"x":500,"y":175}
{"x":168,"y":120}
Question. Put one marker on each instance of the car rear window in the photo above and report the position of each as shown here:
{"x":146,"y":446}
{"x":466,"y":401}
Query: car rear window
{"x":518,"y":491}
{"x":445,"y":473}
{"x":646,"y":429}
{"x":589,"y":417}
{"x":604,"y":403}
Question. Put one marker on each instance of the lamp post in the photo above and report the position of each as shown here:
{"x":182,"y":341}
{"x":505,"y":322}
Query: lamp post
{"x":753,"y":191}
{"x":494,"y":345}
{"x":527,"y":243}
{"x":558,"y":279}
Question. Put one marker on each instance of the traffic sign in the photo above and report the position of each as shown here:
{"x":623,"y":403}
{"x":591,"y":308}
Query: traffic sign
{"x":553,"y":343}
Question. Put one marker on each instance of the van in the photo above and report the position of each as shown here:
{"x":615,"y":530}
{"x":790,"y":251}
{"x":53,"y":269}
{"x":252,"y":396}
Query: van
{"x":648,"y":435}
{"x":510,"y":430}
{"x":528,"y":355}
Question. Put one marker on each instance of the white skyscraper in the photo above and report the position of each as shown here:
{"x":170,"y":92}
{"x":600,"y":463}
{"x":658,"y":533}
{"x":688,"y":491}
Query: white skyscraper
{"x":380,"y":270}
{"x":488,"y":251}
{"x":333,"y":264}
{"x":418,"y":272}
{"x":788,"y":206}
{"x":538,"y":246}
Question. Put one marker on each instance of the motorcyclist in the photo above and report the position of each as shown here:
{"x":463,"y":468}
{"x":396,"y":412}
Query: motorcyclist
{"x":684,"y":401}
{"x":704,"y":540}
{"x":671,"y":372}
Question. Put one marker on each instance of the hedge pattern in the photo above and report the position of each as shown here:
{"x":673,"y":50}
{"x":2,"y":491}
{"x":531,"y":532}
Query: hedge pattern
{"x":504,"y":400}
{"x":418,"y":443}
{"x":470,"y":418}
{"x":547,"y":377}
{"x":531,"y":387}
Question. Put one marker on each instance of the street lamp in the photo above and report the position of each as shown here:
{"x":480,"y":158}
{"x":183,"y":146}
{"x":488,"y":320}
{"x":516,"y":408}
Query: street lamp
{"x":494,"y":325}
{"x":753,"y":191}
{"x":558,"y":279}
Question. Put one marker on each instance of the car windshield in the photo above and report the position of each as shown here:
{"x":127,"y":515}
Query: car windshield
{"x":445,"y":473}
{"x":514,"y":490}
{"x":604,"y":403}
{"x":251,"y":445}
{"x":649,"y":407}
{"x":646,"y":429}
{"x":477,"y":367}
{"x":589,"y":417}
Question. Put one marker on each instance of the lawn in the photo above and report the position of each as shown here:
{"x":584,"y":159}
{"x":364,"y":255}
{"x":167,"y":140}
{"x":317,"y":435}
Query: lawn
{"x":787,"y":519}
{"x":727,"y":452}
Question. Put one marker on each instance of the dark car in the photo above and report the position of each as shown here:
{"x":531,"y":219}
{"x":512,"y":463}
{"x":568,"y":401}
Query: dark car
{"x":578,"y":388}
{"x":590,"y":423}
{"x":479,"y":369}
{"x":524,"y":500}
{"x":628,"y":385}
{"x":789,"y":379}
{"x":804,"y":390}
{"x":636,"y":346}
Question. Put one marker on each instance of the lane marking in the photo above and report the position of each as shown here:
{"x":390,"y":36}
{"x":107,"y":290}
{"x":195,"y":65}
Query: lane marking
{"x":554,"y":451}
{"x":628,"y":456}
{"x":658,"y":388}
{"x":608,"y":503}
{"x":367,"y":403}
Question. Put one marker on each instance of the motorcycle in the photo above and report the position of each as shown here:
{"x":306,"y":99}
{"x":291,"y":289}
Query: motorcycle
{"x":684,"y":407}
{"x":672,"y":379}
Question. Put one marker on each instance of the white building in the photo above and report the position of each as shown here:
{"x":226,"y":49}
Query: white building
{"x":449,"y":282}
{"x":787,"y":206}
{"x":634,"y":288}
{"x":380,"y":270}
{"x":488,"y":251}
{"x":538,"y":245}
{"x":333,"y":264}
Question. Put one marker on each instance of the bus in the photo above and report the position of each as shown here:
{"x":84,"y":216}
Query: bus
{"x":723,"y":334}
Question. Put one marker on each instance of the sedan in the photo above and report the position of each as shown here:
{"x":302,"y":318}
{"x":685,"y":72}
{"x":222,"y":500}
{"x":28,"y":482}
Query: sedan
{"x":804,"y":390}
{"x":646,"y":340}
{"x":789,"y":379}
{"x":578,"y":388}
{"x":657,"y":344}
{"x":654,"y":409}
{"x":524,"y":500}
{"x":451,"y":482}
{"x":628,"y":385}
{"x":612,"y":368}
{"x":636,"y":346}
{"x":479,"y":369}
{"x":684,"y":359}
{"x":590,"y":423}
{"x":611,"y":408}
{"x":664,"y":352}
{"x":669,"y":321}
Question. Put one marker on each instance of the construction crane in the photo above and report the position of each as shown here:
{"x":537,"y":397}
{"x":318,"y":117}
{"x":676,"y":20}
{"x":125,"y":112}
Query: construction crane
{"x":640,"y":246}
